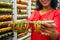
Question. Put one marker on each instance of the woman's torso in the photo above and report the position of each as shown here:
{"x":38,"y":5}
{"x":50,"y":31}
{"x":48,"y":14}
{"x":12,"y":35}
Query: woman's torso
{"x":48,"y":16}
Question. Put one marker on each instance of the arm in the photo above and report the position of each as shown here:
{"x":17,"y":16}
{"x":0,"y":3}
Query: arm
{"x":57,"y":22}
{"x":50,"y":30}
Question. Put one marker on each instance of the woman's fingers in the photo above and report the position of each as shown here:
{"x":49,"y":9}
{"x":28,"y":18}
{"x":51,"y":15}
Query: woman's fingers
{"x":49,"y":29}
{"x":48,"y":25}
{"x":44,"y":33}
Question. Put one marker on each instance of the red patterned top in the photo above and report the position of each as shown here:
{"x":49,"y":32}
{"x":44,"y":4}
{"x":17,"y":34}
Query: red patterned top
{"x":51,"y":15}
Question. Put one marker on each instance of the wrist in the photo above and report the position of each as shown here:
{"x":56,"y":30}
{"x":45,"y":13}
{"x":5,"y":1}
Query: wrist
{"x":55,"y":37}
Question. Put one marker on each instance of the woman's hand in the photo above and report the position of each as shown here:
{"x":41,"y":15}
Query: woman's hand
{"x":49,"y":30}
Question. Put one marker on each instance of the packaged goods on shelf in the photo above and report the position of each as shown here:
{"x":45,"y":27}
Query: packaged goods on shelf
{"x":11,"y":23}
{"x":5,"y":24}
{"x":5,"y":18}
{"x":22,"y":34}
{"x":2,"y":25}
{"x":33,"y":0}
{"x":33,"y":4}
{"x":19,"y":6}
{"x":24,"y":2}
{"x":33,"y":7}
{"x":5,"y":10}
{"x":5,"y":4}
{"x":32,"y":11}
{"x":7,"y":29}
{"x":18,"y":1}
{"x":22,"y":11}
{"x":21,"y":28}
{"x":6,"y":35}
{"x":22,"y":16}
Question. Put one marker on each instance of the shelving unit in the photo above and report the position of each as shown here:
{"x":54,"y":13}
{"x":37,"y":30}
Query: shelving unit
{"x":24,"y":13}
{"x":25,"y":37}
{"x":13,"y":10}
{"x":6,"y":31}
{"x":33,"y":5}
{"x":22,"y":9}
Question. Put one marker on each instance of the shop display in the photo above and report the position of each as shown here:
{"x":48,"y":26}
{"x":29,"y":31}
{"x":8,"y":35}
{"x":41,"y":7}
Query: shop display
{"x":24,"y":2}
{"x":33,"y":7}
{"x":22,"y":34}
{"x":39,"y":25}
{"x":35,"y":26}
{"x":22,"y":16}
{"x":33,"y":0}
{"x":20,"y":6}
{"x":32,"y":11}
{"x":2,"y":25}
{"x":22,"y":11}
{"x":9,"y":5}
{"x":5,"y":10}
{"x":4,"y":30}
{"x":6,"y":4}
{"x":21,"y":28}
{"x":5,"y":18}
{"x":33,"y":4}
{"x":18,"y":1}
{"x":6,"y":35}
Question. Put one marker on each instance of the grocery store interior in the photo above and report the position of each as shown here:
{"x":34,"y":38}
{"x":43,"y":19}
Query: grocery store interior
{"x":12,"y":16}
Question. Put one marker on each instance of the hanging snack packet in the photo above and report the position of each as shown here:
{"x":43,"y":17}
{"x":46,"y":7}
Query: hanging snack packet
{"x":22,"y":23}
{"x":26,"y":26}
{"x":35,"y":26}
{"x":39,"y":26}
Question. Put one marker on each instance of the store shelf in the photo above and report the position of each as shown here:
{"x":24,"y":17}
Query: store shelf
{"x":32,"y":11}
{"x":8,"y":38}
{"x":22,"y":16}
{"x":5,"y":10}
{"x":33,"y":4}
{"x":5,"y":4}
{"x":22,"y":11}
{"x":20,"y":6}
{"x":33,"y":7}
{"x":33,"y":0}
{"x":26,"y":36}
{"x":5,"y":16}
{"x":24,"y":2}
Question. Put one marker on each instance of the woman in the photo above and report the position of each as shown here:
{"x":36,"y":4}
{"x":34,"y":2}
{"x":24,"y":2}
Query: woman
{"x":46,"y":10}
